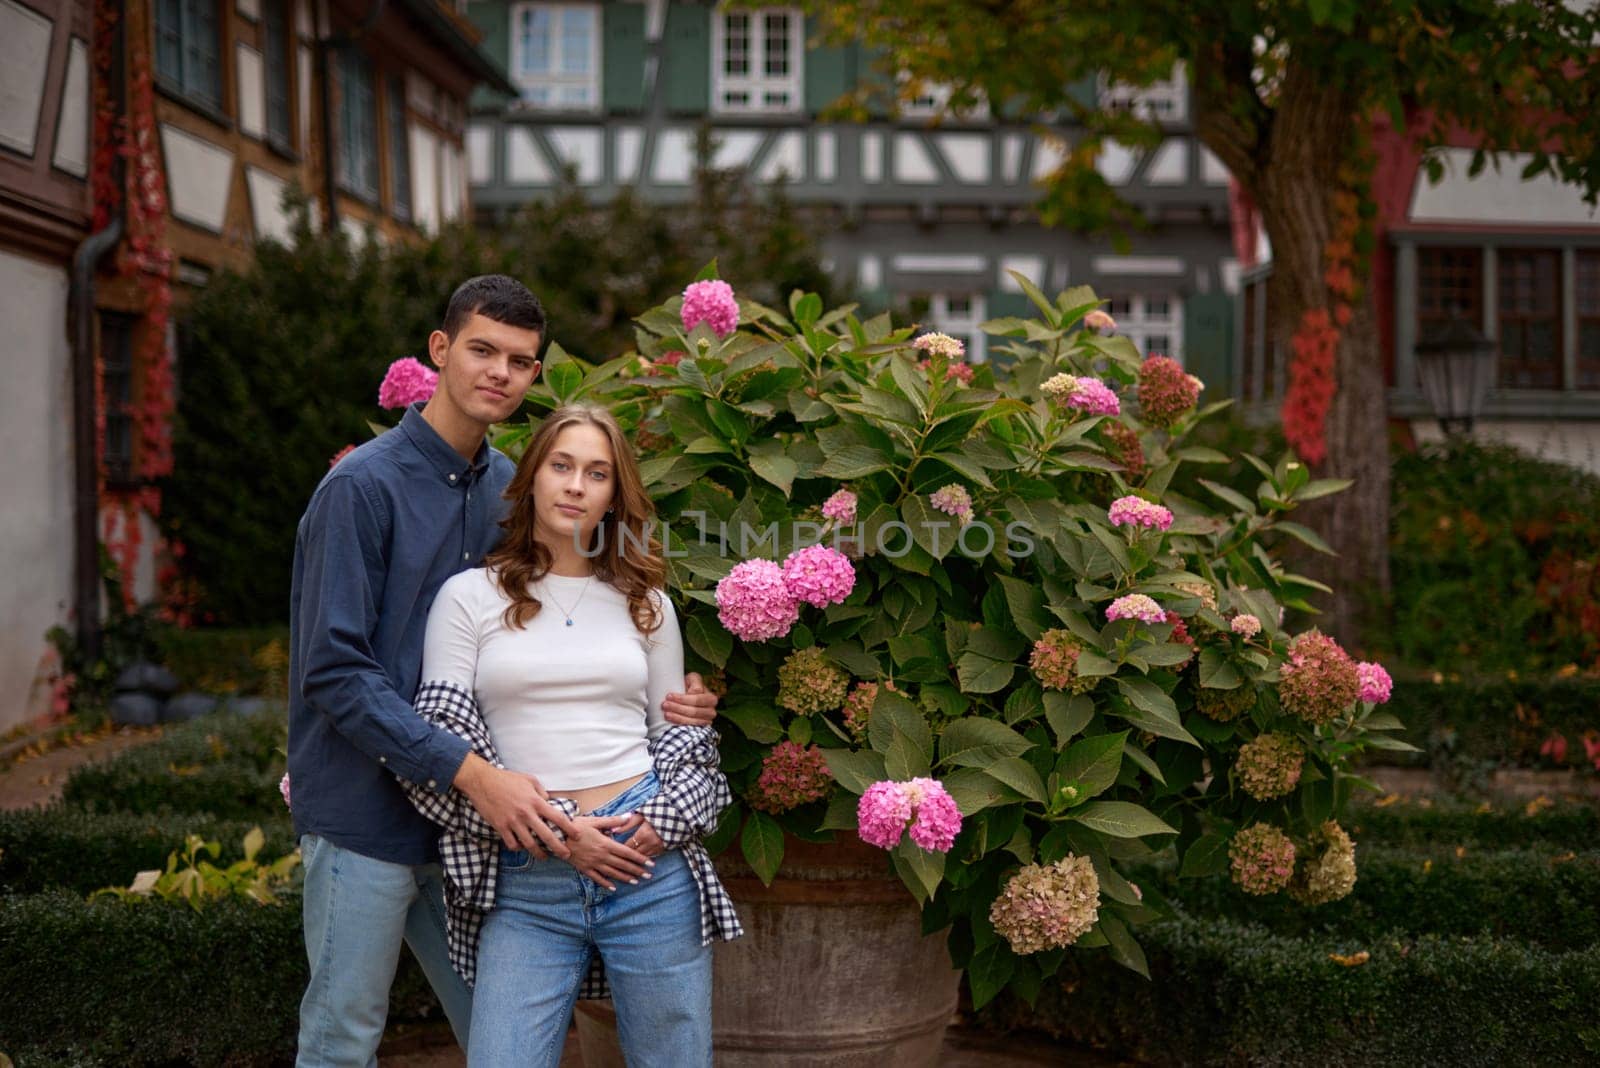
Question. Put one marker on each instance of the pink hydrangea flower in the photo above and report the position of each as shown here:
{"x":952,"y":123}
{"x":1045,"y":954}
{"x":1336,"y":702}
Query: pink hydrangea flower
{"x":1094,"y":397}
{"x":1245,"y":625}
{"x":841,"y":508}
{"x":819,"y":575}
{"x":1136,"y":606}
{"x":1099,"y":320}
{"x":953,"y":500}
{"x":1131,"y":511}
{"x":961,"y":372}
{"x":937,"y":820}
{"x":1376,"y":685}
{"x":711,"y":302}
{"x":791,"y":775}
{"x":882,"y":813}
{"x":1262,"y":859}
{"x":406,"y":382}
{"x":886,"y":808}
{"x":283,"y":788}
{"x":754,"y":602}
{"x":1165,"y":392}
{"x":333,"y":461}
{"x":941,"y":345}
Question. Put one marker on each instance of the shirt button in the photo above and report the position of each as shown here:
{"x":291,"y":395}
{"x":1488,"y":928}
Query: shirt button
{"x":452,"y":478}
{"x":383,"y":760}
{"x":466,"y":556}
{"x":432,"y":785}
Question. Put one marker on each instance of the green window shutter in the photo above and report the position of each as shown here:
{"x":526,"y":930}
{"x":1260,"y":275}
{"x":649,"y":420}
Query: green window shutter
{"x":686,"y":62}
{"x":493,"y":18}
{"x":1208,"y":341}
{"x":830,"y":71}
{"x":622,"y":57}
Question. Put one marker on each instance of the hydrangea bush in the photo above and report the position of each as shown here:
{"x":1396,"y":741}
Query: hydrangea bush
{"x":956,"y":610}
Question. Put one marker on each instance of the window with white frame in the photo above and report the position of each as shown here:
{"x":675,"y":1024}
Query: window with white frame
{"x":555,"y":55}
{"x":1166,"y":100}
{"x":1152,"y":321}
{"x":958,"y":314}
{"x":932,"y":100}
{"x":756,"y":59}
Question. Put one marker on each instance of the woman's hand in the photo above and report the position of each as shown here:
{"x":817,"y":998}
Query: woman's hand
{"x":697,"y":708}
{"x":601,"y":857}
{"x":645,"y":839}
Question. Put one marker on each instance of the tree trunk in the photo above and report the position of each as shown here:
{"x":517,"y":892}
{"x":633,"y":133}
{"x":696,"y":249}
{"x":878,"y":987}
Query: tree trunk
{"x":1297,"y":174}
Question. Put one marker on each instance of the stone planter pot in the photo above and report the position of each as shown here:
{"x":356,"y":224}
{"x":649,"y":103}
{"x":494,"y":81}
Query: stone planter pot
{"x":833,"y":970}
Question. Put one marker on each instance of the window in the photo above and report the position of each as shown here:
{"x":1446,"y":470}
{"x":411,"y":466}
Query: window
{"x":399,"y":150}
{"x":1151,"y":321}
{"x":358,"y":133}
{"x":756,"y":60}
{"x":275,"y":59}
{"x":116,"y":382}
{"x":933,"y":100}
{"x":188,"y":49}
{"x":1163,"y":101}
{"x":1529,"y":284}
{"x":1449,"y":283}
{"x":555,"y":55}
{"x":1588,"y":301}
{"x":958,"y":314}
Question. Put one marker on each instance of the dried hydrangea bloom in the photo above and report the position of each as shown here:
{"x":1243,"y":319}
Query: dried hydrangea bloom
{"x":1261,"y":858}
{"x":1269,"y":766}
{"x":1054,"y":661}
{"x":791,"y":775}
{"x":1318,"y":681}
{"x":1165,"y":392}
{"x":1048,"y":906}
{"x":1224,"y":705}
{"x":1122,"y":444}
{"x":1201,"y":589}
{"x":1327,"y":867}
{"x":858,"y":708}
{"x":809,"y":682}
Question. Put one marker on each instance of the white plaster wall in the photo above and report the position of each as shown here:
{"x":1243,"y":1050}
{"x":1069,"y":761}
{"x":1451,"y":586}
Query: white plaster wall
{"x":1572,"y":442}
{"x":35,"y":480}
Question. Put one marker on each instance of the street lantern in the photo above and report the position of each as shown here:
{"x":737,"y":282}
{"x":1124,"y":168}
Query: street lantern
{"x":1456,"y":364}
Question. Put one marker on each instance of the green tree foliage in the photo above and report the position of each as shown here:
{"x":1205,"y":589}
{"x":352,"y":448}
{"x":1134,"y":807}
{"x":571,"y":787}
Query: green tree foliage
{"x":281,"y":362}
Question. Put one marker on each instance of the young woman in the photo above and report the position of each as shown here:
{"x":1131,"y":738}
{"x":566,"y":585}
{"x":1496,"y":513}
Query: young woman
{"x":567,"y":643}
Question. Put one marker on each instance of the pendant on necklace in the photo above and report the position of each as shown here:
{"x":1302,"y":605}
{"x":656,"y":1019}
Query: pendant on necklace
{"x":569,"y":622}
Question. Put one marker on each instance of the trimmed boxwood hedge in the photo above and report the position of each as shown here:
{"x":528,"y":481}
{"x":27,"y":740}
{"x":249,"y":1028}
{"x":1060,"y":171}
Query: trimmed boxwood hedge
{"x":1533,"y":897}
{"x":1560,"y":826}
{"x":1227,"y":993}
{"x":154,"y":983}
{"x":80,"y":850}
{"x":227,"y":765}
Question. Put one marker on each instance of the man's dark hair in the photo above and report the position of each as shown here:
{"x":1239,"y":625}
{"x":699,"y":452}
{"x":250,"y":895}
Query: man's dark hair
{"x":497,"y":297}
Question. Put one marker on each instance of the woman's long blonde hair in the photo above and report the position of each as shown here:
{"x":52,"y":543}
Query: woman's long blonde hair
{"x":631,"y":562}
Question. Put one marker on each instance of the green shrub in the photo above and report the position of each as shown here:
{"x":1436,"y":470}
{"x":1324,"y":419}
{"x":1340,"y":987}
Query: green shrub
{"x":1532,"y":897}
{"x":1491,"y":556}
{"x":226,"y":765}
{"x":1561,"y":826}
{"x":1502,"y":720}
{"x":112,"y":983}
{"x":1225,"y":993}
{"x":245,"y":660}
{"x":80,"y":850}
{"x":282,"y":362}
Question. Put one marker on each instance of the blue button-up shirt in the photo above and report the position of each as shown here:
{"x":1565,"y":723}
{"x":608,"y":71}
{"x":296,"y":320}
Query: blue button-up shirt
{"x":383,"y":531}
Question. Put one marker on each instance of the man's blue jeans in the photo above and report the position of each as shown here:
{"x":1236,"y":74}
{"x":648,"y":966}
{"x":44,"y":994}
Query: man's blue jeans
{"x":547,"y":920}
{"x":357,"y":912}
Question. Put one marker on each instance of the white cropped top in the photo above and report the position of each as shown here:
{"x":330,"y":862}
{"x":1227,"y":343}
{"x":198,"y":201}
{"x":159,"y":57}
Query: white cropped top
{"x":573,"y":705}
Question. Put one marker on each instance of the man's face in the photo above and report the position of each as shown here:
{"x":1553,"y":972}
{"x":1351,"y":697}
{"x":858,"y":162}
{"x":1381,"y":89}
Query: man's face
{"x":488,"y":368}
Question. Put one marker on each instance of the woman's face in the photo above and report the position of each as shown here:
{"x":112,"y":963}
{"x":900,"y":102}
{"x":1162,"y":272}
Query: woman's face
{"x":574,"y":486}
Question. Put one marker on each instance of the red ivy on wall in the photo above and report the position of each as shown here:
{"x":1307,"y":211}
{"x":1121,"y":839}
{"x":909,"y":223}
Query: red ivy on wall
{"x":144,"y":258}
{"x":1314,"y":349}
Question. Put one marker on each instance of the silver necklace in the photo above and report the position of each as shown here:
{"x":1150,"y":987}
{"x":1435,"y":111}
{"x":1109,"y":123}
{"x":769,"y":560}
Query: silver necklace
{"x":566,"y":612}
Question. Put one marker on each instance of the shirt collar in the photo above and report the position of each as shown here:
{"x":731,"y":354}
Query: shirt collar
{"x":445,"y":460}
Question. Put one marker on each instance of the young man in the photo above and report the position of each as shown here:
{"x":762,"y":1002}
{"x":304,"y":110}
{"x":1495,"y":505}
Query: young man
{"x":384,"y":530}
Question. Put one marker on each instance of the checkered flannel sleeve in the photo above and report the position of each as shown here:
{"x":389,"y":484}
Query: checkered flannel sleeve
{"x":693,"y":789}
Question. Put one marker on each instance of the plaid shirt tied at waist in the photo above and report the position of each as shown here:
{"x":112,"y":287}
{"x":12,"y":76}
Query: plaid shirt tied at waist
{"x":693,"y":794}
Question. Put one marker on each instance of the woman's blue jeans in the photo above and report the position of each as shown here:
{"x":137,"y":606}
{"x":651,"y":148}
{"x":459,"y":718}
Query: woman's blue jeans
{"x":548,"y":919}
